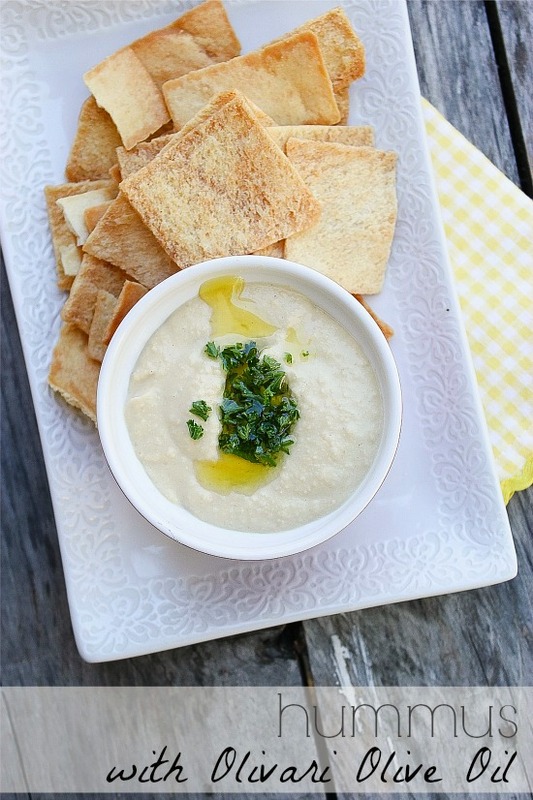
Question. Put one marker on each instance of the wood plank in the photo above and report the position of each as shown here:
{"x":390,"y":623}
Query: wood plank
{"x":513,"y":37}
{"x":458,"y":75}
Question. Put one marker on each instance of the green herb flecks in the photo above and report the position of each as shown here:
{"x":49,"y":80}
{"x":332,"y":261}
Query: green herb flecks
{"x":200,"y":409}
{"x":212,"y":350}
{"x":258,"y":410}
{"x":196,"y":431}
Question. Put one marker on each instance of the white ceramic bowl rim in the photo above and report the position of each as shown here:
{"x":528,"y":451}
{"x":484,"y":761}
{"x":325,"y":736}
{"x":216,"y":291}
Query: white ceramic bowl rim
{"x":122,"y":354}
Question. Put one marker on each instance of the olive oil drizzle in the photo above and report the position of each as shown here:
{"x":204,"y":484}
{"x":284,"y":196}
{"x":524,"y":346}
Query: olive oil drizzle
{"x":223,"y":294}
{"x":231,"y":473}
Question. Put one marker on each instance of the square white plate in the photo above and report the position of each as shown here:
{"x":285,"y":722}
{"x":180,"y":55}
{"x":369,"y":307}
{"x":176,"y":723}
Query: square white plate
{"x":438,"y":524}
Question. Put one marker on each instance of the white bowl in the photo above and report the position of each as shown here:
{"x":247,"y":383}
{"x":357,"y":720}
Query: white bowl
{"x":124,"y":350}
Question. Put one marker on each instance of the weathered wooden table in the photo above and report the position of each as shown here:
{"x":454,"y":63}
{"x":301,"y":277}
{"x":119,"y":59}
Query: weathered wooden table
{"x":475,"y":65}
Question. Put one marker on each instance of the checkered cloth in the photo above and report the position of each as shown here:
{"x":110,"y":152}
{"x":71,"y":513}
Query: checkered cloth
{"x":488,"y":223}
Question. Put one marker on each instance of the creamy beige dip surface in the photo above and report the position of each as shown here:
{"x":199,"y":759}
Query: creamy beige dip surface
{"x":336,"y":437}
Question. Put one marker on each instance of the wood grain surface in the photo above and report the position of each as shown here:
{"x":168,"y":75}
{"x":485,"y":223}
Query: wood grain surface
{"x":475,"y":65}
{"x":511,"y":24}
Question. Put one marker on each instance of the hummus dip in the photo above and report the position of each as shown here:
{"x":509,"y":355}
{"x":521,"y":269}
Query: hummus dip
{"x":336,"y":436}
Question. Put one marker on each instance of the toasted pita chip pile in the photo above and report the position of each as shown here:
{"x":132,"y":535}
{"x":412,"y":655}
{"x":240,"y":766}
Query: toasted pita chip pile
{"x":187,"y":150}
{"x":127,"y":84}
{"x":251,"y":195}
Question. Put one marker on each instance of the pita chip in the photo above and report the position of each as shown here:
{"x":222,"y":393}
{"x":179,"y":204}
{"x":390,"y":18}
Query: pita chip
{"x":130,"y":294}
{"x":384,"y":327}
{"x":103,"y":311}
{"x":122,"y":85}
{"x":344,"y":134}
{"x":131,"y":160}
{"x":342,"y":98}
{"x":93,"y":150}
{"x":275,"y":250}
{"x":217,"y":102}
{"x":73,"y":373}
{"x":70,"y":257}
{"x":287,"y":80}
{"x":351,"y":241}
{"x":353,"y":135}
{"x":201,"y":36}
{"x":343,"y":51}
{"x":114,"y":173}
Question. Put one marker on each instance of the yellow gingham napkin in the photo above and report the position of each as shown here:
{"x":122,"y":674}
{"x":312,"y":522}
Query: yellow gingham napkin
{"x":488,"y":223}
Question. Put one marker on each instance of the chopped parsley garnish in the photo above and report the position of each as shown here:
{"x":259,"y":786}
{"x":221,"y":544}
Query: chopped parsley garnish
{"x":200,"y":409}
{"x":288,"y":358}
{"x":212,"y":350}
{"x":196,"y":431}
{"x":258,"y":409}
